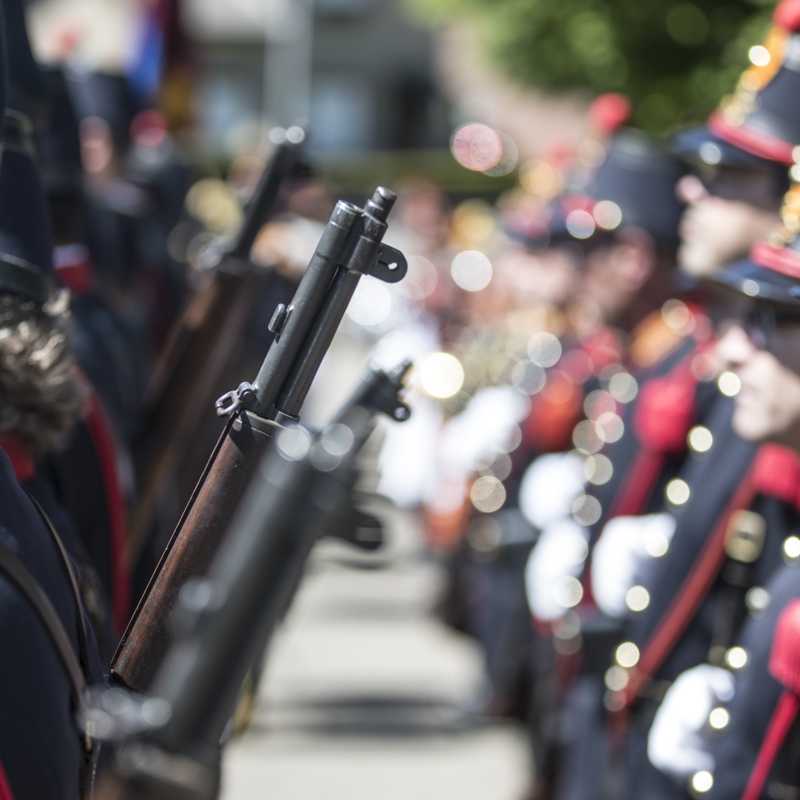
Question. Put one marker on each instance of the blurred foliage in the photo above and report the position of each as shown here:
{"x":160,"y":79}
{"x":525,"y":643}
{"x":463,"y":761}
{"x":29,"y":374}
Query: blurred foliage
{"x":674,"y":59}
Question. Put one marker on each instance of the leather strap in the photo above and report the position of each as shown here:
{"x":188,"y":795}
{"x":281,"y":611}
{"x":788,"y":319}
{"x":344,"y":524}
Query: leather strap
{"x":690,"y":597}
{"x":17,"y":574}
{"x":72,"y":578}
{"x":99,"y":429}
{"x":782,"y":719}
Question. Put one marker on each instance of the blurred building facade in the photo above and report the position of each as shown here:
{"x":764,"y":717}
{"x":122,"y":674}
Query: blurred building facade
{"x":358,"y":71}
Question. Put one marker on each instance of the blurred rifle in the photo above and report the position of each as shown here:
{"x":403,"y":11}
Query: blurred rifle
{"x":303,"y":490}
{"x":350,"y":247}
{"x":198,"y":353}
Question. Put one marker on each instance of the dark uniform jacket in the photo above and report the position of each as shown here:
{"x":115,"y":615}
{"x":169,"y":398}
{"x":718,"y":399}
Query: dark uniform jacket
{"x":40,"y":748}
{"x":755,"y":701}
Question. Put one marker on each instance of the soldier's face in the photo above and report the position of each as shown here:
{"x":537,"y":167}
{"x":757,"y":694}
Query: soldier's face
{"x":765,"y":355}
{"x":727,"y":211}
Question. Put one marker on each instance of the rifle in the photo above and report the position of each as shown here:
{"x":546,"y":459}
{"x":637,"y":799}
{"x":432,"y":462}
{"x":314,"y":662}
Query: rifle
{"x":303,"y":490}
{"x":350,"y":247}
{"x":199,"y":349}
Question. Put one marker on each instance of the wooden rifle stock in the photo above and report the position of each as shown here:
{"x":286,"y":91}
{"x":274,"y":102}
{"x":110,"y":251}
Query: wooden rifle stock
{"x":350,"y":245}
{"x":199,"y":349}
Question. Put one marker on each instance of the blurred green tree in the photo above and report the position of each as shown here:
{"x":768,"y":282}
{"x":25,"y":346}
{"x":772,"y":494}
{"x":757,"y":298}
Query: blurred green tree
{"x":675,"y":59}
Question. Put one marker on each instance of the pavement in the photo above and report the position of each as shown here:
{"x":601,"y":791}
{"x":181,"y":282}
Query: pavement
{"x":367,"y":696}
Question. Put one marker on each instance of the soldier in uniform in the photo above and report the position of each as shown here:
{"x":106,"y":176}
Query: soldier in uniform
{"x":677,"y":591}
{"x":77,"y":483}
{"x":729,"y":729}
{"x":632,"y":440}
{"x":42,"y":754}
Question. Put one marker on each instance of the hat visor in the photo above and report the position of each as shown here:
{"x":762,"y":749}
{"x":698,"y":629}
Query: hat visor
{"x":701,"y":146}
{"x":760,"y":283}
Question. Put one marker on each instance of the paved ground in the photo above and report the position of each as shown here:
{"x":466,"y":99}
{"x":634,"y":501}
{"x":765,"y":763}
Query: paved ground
{"x":365,"y":694}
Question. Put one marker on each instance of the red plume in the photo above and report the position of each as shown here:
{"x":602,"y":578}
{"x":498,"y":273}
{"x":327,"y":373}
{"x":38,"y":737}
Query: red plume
{"x":784,"y":661}
{"x":609,"y":111}
{"x":776,"y":472}
{"x":787,"y":15}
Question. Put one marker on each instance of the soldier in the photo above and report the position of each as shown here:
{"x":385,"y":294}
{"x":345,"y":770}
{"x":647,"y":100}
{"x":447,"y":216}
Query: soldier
{"x":750,"y":750}
{"x":77,"y":483}
{"x":94,"y":496}
{"x":677,"y":593}
{"x":644,"y":440}
{"x":41,"y":751}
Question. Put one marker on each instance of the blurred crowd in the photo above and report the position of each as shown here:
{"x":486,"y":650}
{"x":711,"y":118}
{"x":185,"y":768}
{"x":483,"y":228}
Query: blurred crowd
{"x":604,"y":449}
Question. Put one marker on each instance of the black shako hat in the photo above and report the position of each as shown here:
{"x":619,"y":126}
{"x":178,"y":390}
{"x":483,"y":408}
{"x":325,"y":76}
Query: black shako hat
{"x":758,"y":126}
{"x":634,"y":186}
{"x":26,"y":252}
{"x":772,"y":272}
{"x":26,"y":264}
{"x":27,"y":92}
{"x":3,"y":72}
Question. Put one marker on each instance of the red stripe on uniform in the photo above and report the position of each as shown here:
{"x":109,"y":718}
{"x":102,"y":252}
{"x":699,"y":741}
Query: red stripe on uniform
{"x":100,"y":430}
{"x":691,"y":594}
{"x":782,"y":719}
{"x":5,"y":789}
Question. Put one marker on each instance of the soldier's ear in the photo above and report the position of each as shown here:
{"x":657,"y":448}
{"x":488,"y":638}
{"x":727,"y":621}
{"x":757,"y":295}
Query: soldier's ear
{"x":636,"y":256}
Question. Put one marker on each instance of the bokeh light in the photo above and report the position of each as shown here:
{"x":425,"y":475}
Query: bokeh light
{"x":599,"y":402}
{"x":791,"y":547}
{"x":616,"y":679}
{"x":471,"y":270}
{"x":508,"y":157}
{"x":729,"y":384}
{"x":586,"y":437}
{"x":544,"y":349}
{"x":610,"y":427}
{"x":541,"y":179}
{"x":655,"y":543}
{"x":607,"y":215}
{"x":586,"y":510}
{"x":627,"y":655}
{"x":528,"y":377}
{"x":487,"y":494}
{"x":736,"y":657}
{"x":598,"y":469}
{"x":637,"y":598}
{"x":678,"y":491}
{"x":759,"y":55}
{"x":700,"y":439}
{"x":421,"y":279}
{"x":441,"y":375}
{"x":580,"y":224}
{"x":623,"y":387}
{"x":719,"y":718}
{"x":477,"y":147}
{"x":371,"y":304}
{"x":702,"y":781}
{"x":568,"y":592}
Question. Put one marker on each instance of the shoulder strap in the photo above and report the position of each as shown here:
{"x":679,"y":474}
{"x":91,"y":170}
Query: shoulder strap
{"x":17,"y":574}
{"x":72,"y":578}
